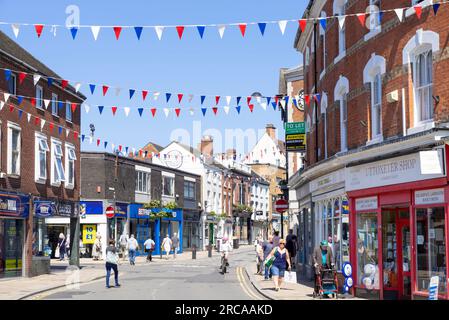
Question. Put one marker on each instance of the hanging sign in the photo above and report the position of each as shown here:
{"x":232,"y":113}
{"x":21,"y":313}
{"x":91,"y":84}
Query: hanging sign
{"x":295,"y":136}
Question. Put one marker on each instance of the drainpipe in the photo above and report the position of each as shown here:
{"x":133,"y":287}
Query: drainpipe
{"x":404,"y":122}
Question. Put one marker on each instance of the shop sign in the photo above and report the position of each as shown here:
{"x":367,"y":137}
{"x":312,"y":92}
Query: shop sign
{"x":295,"y":137}
{"x":141,"y":212}
{"x":14,"y":205}
{"x":121,"y":209}
{"x":44,"y":209}
{"x":89,"y":232}
{"x":66,"y":209}
{"x":429,"y":196}
{"x":391,"y":171}
{"x":363,"y":204}
{"x":328,"y":180}
{"x":433,"y":288}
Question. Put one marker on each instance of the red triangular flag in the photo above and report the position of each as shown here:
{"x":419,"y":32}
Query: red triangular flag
{"x":140,"y":153}
{"x":302,"y":24}
{"x":215,"y":109}
{"x":22,"y":76}
{"x":117,"y":31}
{"x":362,"y":18}
{"x":120,"y":148}
{"x":98,"y":142}
{"x":217,"y":98}
{"x":153,"y":111}
{"x":418,"y":10}
{"x":251,"y":107}
{"x":105,"y":89}
{"x":33,"y":101}
{"x":74,"y":107}
{"x":307,"y":99}
{"x":114,"y":110}
{"x":180,"y":95}
{"x":51,"y":126}
{"x":242,"y":27}
{"x":276,"y":100}
{"x":177,"y":110}
{"x":39,"y":28}
{"x":144,"y":94}
{"x":75,"y":134}
{"x":11,"y":108}
{"x":180,"y":30}
{"x":36,"y":121}
{"x":64,"y":84}
{"x":248,"y":100}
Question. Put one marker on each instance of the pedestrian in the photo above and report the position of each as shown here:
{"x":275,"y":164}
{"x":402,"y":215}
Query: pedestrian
{"x":291,"y":245}
{"x":175,"y":244}
{"x":267,"y":247}
{"x":97,"y":248}
{"x":67,"y":247}
{"x":322,"y":259}
{"x":281,"y":260}
{"x":259,"y":256}
{"x":132,"y":248}
{"x":61,"y":246}
{"x":276,"y":239}
{"x":166,"y":246}
{"x":149,"y":247}
{"x":123,"y":245}
{"x":111,"y":263}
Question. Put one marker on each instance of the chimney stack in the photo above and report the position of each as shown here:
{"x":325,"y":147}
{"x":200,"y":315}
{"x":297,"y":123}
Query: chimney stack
{"x":207,"y":146}
{"x":271,"y":130}
{"x":231,"y":153}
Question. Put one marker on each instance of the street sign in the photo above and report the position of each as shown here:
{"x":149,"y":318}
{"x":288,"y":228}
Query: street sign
{"x":295,"y":136}
{"x":281,"y":205}
{"x":110,"y":212}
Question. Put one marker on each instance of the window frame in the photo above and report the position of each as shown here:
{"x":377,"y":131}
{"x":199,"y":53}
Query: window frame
{"x":13,"y":80}
{"x":189,"y":184}
{"x":54,"y":105}
{"x":340,"y":10}
{"x":14,"y":127}
{"x":68,"y":111}
{"x":38,"y":150}
{"x":172,"y":177}
{"x":142,"y":176}
{"x":376,"y":122}
{"x":39,"y":101}
{"x":54,"y":182}
{"x":69,"y":158}
{"x":423,"y":51}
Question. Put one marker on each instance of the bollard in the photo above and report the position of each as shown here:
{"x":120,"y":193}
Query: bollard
{"x":194,"y":252}
{"x":209,"y":249}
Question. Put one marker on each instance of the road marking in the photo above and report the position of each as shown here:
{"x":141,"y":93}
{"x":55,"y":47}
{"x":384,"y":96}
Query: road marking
{"x":243,"y":284}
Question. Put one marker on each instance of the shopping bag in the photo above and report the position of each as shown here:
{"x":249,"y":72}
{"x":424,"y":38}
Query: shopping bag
{"x":290,"y":276}
{"x":57,"y":252}
{"x":269,"y":262}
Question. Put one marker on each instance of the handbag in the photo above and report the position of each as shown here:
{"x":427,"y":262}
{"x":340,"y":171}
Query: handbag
{"x":57,"y":252}
{"x":269,"y":261}
{"x":290,"y":276}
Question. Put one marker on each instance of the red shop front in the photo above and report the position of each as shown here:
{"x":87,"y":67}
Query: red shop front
{"x":399,"y":231}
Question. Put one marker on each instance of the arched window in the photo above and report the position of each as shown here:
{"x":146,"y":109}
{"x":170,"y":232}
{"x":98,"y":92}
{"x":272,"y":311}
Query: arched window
{"x":324,"y":113}
{"x":340,"y":10}
{"x":340,"y":94}
{"x":323,"y":46}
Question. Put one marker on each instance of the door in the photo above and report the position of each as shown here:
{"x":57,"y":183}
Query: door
{"x":404,"y":258}
{"x":142,"y":234}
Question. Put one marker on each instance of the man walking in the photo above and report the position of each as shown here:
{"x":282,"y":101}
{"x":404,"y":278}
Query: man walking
{"x":149,"y":247}
{"x":174,"y":243}
{"x":291,"y":246}
{"x":123,"y":243}
{"x":267,"y":247}
{"x":132,"y":247}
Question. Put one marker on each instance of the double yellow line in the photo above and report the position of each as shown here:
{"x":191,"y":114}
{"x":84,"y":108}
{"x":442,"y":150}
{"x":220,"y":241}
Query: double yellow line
{"x":244,"y":285}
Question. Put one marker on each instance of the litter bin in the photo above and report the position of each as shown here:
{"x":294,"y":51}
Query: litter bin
{"x":235,"y":243}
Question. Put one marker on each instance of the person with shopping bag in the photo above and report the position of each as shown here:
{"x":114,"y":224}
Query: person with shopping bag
{"x":149,"y":247}
{"x":279,"y":262}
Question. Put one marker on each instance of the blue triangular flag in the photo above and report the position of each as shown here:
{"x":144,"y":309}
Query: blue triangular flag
{"x":20,"y":99}
{"x":262,"y":26}
{"x":274,"y":105}
{"x":238,"y":100}
{"x":83,"y":137}
{"x":105,"y":144}
{"x":7,"y":74}
{"x":318,"y":98}
{"x":49,"y":81}
{"x":20,"y":114}
{"x":238,"y":109}
{"x":74,"y":31}
{"x":294,"y":102}
{"x":59,"y":130}
{"x":131,"y":93}
{"x":100,"y":108}
{"x":381,"y":15}
{"x":268,"y":100}
{"x":202,"y":99}
{"x":201,"y":30}
{"x":323,"y":22}
{"x":140,"y":111}
{"x":60,"y":104}
{"x":436,"y":6}
{"x":138,"y":32}
{"x":286,"y":100}
{"x":92,"y":88}
{"x":167,"y":96}
{"x":126,"y":150}
{"x":204,"y":111}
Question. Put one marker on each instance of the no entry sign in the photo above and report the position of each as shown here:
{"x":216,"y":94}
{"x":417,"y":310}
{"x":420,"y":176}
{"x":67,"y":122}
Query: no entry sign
{"x":110,"y":212}
{"x":281,"y":205}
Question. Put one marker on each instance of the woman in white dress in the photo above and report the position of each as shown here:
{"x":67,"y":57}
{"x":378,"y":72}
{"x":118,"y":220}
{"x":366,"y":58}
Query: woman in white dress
{"x":166,"y":245}
{"x":96,"y":249}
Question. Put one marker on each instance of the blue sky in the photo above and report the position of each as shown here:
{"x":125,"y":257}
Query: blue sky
{"x":233,"y":65}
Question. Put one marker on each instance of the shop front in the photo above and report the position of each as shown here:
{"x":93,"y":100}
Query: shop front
{"x":305,"y":234}
{"x":14,"y":210}
{"x":93,"y":221}
{"x":191,"y":230}
{"x":259,"y":231}
{"x":117,"y":224}
{"x":210,"y":230}
{"x":242,"y":228}
{"x":399,"y":226}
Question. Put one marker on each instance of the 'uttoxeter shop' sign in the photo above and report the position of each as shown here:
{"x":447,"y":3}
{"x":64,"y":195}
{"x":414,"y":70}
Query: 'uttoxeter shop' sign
{"x":391,"y":171}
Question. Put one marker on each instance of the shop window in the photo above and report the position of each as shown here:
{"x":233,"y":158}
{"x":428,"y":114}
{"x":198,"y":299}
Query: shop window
{"x":41,"y":149}
{"x":345,"y":230}
{"x":367,"y":255}
{"x":389,"y":249}
{"x":431,"y":248}
{"x":41,"y":245}
{"x":336,"y":234}
{"x":14,"y":148}
{"x":57,"y":172}
{"x":70,"y":165}
{"x":168,"y":186}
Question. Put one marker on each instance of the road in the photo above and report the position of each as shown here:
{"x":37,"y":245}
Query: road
{"x":171,"y":280}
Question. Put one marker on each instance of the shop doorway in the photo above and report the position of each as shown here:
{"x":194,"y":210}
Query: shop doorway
{"x":53,"y":232}
{"x":396,"y":253}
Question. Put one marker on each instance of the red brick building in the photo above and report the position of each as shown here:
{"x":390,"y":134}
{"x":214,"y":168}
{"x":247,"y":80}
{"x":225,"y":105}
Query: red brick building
{"x":376,"y":182}
{"x":39,"y":160}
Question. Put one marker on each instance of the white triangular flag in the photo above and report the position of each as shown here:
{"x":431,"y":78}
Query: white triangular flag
{"x":91,"y":139}
{"x":159,"y":30}
{"x":1,"y":105}
{"x":15,"y":29}
{"x":228,"y":100}
{"x":127,"y":110}
{"x":399,"y":13}
{"x":6,"y":96}
{"x":264,"y":105}
{"x":190,"y":97}
{"x":258,"y":99}
{"x":77,"y":86}
{"x":86,"y":107}
{"x":29,"y":117}
{"x":282,"y":25}
{"x":117,"y":91}
{"x":36,"y":78}
{"x":95,"y":31}
{"x":113,"y":147}
{"x":283,"y":103}
{"x":67,"y":132}
{"x":221,"y":30}
{"x":341,"y":21}
{"x":191,"y":111}
{"x":53,"y":29}
{"x":226,"y":109}
{"x":46,"y":103}
{"x":166,"y":111}
{"x":42,"y":124}
{"x":156,"y":95}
